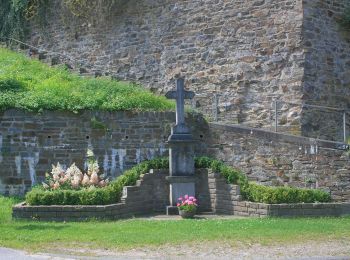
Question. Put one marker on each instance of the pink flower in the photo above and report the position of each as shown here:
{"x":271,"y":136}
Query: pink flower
{"x":186,"y":197}
{"x":191,"y":198}
{"x":56,"y":186}
{"x":178,"y":204}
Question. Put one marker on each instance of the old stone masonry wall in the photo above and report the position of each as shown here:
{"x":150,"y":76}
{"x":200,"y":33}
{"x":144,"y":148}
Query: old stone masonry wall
{"x":30,"y":143}
{"x":327,"y":67}
{"x":249,"y":52}
{"x":277,"y":159}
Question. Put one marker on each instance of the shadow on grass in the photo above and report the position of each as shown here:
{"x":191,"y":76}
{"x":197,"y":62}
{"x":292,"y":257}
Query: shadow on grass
{"x":41,"y":227}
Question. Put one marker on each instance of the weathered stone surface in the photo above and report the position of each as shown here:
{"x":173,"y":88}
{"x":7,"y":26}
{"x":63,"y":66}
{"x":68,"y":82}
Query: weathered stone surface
{"x":125,"y":140}
{"x":247,"y":53}
{"x":326,"y":80}
{"x":277,"y":159}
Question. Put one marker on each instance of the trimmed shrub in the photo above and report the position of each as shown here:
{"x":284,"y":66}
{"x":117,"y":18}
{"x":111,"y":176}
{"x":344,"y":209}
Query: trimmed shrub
{"x":113,"y":192}
{"x":260,"y":193}
{"x":95,"y":196}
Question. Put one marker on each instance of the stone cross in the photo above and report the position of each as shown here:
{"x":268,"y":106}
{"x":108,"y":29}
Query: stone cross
{"x":180,"y":94}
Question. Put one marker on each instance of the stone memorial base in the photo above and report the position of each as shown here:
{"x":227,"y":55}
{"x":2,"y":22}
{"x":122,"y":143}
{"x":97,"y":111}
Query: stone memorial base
{"x":181,"y":155}
{"x":179,"y":186}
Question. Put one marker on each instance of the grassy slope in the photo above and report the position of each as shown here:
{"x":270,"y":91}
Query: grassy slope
{"x":32,"y":85}
{"x":137,"y":233}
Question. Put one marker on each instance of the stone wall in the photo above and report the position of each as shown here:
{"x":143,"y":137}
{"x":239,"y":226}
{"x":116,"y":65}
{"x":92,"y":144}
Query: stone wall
{"x":249,"y":52}
{"x":327,"y":67}
{"x":279,"y":159}
{"x":31,"y":142}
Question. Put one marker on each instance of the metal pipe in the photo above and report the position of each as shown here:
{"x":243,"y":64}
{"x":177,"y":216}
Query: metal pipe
{"x":276,"y":116}
{"x":344,"y":127}
{"x":215,"y":108}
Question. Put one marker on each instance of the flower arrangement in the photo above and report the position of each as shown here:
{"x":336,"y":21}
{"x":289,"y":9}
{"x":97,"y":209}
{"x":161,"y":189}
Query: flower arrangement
{"x":73,"y":178}
{"x":187,"y":206}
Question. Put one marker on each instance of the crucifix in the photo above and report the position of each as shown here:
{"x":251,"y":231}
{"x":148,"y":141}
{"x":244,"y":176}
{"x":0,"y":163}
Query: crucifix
{"x":181,"y":151}
{"x":180,"y":94}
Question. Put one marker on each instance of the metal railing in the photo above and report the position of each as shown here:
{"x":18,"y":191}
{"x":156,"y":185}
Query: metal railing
{"x":304,"y":106}
{"x":218,"y":108}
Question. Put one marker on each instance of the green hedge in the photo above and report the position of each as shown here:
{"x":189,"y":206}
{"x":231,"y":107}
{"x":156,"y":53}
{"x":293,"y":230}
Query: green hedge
{"x":112,"y":193}
{"x":97,"y":196}
{"x":260,"y":193}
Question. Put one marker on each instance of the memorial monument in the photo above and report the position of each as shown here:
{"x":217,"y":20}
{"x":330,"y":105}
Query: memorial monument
{"x":181,"y":150}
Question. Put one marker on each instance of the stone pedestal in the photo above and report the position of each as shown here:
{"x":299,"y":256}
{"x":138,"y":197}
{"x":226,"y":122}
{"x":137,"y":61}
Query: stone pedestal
{"x":181,"y":157}
{"x":181,"y":168}
{"x":179,"y":186}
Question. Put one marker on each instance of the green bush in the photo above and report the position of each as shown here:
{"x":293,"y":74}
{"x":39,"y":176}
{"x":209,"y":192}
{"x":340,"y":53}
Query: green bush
{"x":276,"y":195}
{"x":31,"y":85}
{"x":260,"y":193}
{"x":113,"y":192}
{"x":97,"y":196}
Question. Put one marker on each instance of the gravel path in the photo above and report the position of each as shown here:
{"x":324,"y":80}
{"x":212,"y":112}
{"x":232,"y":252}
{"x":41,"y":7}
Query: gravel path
{"x":337,"y":250}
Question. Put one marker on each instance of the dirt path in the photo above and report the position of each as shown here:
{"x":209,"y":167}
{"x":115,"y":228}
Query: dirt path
{"x":311,"y":250}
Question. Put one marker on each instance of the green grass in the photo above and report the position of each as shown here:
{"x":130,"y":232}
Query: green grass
{"x":31,"y":85}
{"x":133,"y":233}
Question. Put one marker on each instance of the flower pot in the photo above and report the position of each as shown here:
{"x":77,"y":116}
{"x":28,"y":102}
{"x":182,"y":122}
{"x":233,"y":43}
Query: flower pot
{"x":187,"y":214}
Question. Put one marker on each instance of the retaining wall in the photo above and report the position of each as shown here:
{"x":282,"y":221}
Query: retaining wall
{"x":31,"y":142}
{"x":277,"y":159}
{"x":151,"y":195}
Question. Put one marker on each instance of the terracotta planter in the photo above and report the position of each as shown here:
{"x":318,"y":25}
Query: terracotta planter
{"x":187,"y":214}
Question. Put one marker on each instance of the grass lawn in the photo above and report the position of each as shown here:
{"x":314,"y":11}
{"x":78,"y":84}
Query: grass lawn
{"x":31,"y":85}
{"x":126,"y":234}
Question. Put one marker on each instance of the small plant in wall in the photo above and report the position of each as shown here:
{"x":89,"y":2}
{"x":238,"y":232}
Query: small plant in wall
{"x":345,"y":19}
{"x":187,"y":206}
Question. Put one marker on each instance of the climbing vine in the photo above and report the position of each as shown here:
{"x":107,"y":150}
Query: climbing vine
{"x":16,"y":15}
{"x":345,"y":19}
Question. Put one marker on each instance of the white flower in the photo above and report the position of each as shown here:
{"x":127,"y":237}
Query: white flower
{"x":56,"y":186}
{"x":57,"y":170}
{"x":85,"y":180}
{"x":55,"y":177}
{"x":93,"y":168}
{"x":94,"y":180}
{"x":75,"y":183}
{"x":73,"y":171}
{"x":89,"y":153}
